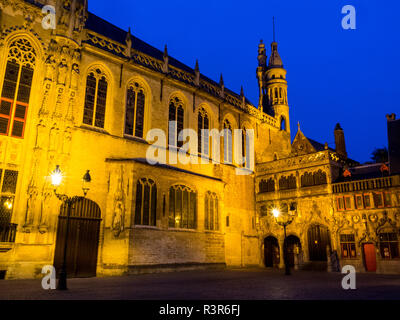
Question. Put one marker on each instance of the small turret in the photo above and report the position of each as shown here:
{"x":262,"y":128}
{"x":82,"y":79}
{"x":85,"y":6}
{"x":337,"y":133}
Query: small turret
{"x":197,"y":73}
{"x":275,"y":60}
{"x":339,"y":141}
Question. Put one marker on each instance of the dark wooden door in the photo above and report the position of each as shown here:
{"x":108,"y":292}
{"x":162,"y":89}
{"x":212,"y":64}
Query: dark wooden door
{"x":291,"y":243}
{"x":369,"y":257}
{"x":83,"y":238}
{"x":271,"y":252}
{"x":318,"y":239}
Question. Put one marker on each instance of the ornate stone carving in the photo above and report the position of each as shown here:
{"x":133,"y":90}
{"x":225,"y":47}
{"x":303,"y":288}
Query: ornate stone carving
{"x":118,"y":217}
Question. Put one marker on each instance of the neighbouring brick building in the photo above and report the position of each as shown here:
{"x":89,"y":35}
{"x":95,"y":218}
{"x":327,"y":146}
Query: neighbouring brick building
{"x":85,"y":95}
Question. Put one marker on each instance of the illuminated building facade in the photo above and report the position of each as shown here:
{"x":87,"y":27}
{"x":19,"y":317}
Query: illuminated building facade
{"x":85,"y":95}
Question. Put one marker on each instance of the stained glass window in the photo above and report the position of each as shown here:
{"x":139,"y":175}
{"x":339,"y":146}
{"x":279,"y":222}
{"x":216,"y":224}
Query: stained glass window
{"x":17,"y":88}
{"x":95,"y":99}
{"x":146,"y":202}
{"x":182,"y":207}
{"x":135,"y":108}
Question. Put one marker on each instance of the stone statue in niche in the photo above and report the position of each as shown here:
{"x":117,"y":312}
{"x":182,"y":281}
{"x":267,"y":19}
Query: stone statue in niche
{"x":65,"y":13}
{"x":62,"y":72}
{"x":40,"y":135}
{"x":76,"y":56}
{"x":128,"y":42}
{"x":75,"y":76}
{"x":119,"y":208}
{"x":80,"y":16}
{"x":45,"y":208}
{"x":53,"y":139}
{"x":118,"y":218}
{"x":67,"y":141}
{"x":50,"y":67}
{"x":65,"y":53}
{"x":30,"y":204}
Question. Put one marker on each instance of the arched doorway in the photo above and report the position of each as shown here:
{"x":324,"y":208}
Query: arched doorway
{"x":271,"y":252}
{"x":318,"y":239}
{"x":83,"y":238}
{"x":292,"y":242}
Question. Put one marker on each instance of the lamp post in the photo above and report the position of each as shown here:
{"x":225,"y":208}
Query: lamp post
{"x":56,"y":179}
{"x":283,"y":220}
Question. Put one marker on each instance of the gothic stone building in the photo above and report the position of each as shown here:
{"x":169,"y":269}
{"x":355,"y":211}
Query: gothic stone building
{"x":85,"y":95}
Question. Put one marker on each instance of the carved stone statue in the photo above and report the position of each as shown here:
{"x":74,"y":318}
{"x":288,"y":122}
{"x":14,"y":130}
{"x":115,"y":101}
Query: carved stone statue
{"x":75,"y":76}
{"x":76,"y":58}
{"x":67,"y":141}
{"x":50,"y":67}
{"x":128,"y":41}
{"x":62,"y":72}
{"x":65,"y":13}
{"x":79,"y":17}
{"x":118,"y":219}
{"x":40,"y":137}
{"x":53,"y":142}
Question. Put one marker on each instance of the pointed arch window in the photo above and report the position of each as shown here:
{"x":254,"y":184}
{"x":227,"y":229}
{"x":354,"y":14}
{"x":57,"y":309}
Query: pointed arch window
{"x":227,"y":142}
{"x":203,"y":138}
{"x":276,"y":95}
{"x":16,"y":90}
{"x":283,"y":124}
{"x":146,"y":202}
{"x":95,"y":99}
{"x":175,"y":121}
{"x":245,"y":148}
{"x":211,"y":216}
{"x":267,"y":185}
{"x":135,"y":108}
{"x":182,"y":207}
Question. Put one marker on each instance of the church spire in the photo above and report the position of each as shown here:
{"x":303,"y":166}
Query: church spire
{"x":275,"y":59}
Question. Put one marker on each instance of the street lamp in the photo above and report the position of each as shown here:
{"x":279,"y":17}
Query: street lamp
{"x":56,"y":179}
{"x":283,"y":219}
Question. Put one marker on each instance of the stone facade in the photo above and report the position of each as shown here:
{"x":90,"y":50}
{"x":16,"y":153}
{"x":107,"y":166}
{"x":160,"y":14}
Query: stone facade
{"x":153,"y":217}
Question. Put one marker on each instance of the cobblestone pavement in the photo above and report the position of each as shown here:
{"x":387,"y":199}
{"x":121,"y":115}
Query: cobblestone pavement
{"x":237,"y":284}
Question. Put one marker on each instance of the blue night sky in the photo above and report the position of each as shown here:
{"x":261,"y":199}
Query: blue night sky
{"x":334,"y":75}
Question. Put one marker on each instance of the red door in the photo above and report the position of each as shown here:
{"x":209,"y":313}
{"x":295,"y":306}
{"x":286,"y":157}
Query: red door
{"x":370,"y":257}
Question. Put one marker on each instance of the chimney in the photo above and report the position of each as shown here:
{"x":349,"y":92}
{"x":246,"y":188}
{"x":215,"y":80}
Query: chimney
{"x":339,"y":141}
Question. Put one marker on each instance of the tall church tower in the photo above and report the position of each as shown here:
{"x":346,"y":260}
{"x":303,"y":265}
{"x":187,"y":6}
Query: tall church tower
{"x":273,"y":86}
{"x":276,"y":88}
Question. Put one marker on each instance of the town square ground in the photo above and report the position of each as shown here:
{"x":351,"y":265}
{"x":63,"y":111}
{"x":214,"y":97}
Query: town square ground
{"x":227,"y":284}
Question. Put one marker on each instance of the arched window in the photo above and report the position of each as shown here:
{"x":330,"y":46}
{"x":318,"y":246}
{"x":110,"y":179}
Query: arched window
{"x":286,"y":183}
{"x":8,"y":184}
{"x":389,"y":244}
{"x":267,"y":185}
{"x":319,"y":177}
{"x":95,"y":99}
{"x":203,"y":124}
{"x":283,"y":124}
{"x":146,"y":203}
{"x":245,"y":148}
{"x":227,"y":142}
{"x":307,"y":179}
{"x":176,"y":116}
{"x":16,"y":91}
{"x":182,"y":207}
{"x":211,"y":218}
{"x":135,"y":104}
